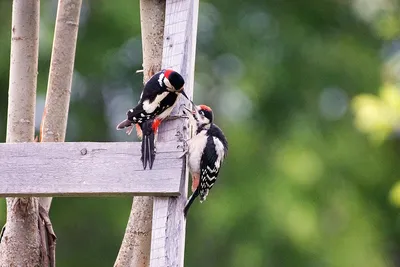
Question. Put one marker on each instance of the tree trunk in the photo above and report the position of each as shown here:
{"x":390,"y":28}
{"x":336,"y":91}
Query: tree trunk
{"x":135,"y":248}
{"x":55,"y":115}
{"x":20,"y":245}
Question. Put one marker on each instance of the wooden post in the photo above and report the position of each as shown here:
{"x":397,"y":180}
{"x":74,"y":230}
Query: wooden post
{"x":169,"y":224}
{"x":135,"y":247}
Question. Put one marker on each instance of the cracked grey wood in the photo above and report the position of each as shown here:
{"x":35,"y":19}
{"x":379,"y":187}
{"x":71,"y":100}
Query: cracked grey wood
{"x":169,"y":223}
{"x":87,"y":169}
{"x":135,"y":247}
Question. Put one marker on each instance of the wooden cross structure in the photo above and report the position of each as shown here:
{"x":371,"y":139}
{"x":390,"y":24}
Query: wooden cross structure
{"x":114,"y":169}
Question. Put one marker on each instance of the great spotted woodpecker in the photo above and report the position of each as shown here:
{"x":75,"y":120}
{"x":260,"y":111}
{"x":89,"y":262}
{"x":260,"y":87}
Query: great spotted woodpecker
{"x":206,"y":152}
{"x":156,"y":102}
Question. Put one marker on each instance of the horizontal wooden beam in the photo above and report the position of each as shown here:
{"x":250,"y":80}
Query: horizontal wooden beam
{"x":87,"y":169}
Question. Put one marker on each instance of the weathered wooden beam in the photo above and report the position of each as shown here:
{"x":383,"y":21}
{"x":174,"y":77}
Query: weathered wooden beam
{"x":89,"y":169}
{"x":169,"y":223}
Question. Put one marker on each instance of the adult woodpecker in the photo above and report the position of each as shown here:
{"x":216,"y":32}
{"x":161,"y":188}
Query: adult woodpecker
{"x":206,"y":151}
{"x":156,"y":102}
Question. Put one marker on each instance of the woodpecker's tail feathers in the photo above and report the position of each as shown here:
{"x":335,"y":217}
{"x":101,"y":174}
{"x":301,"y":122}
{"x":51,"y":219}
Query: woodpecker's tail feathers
{"x":203,"y":195}
{"x":190,"y":201}
{"x":148,"y":145}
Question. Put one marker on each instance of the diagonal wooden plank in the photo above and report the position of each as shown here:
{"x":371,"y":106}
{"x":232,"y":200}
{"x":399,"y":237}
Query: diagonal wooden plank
{"x":89,"y":169}
{"x":169,"y":223}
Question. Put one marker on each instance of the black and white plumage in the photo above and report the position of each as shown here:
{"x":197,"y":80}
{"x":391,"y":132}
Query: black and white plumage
{"x":206,"y":151}
{"x":159,"y":96}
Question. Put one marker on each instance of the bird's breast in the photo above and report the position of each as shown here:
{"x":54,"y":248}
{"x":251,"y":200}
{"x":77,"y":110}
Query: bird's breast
{"x":196,"y":147}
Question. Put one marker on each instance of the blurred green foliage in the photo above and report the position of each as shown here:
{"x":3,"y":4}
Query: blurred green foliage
{"x":307,"y":94}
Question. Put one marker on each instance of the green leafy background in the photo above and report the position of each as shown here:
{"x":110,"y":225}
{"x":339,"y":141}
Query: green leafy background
{"x":307,"y":94}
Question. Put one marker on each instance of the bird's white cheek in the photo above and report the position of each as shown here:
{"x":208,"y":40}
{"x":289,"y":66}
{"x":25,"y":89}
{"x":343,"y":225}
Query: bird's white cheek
{"x":204,"y":120}
{"x":168,"y":84}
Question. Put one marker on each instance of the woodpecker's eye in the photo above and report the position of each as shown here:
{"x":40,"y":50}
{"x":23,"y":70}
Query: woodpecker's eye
{"x":201,"y":113}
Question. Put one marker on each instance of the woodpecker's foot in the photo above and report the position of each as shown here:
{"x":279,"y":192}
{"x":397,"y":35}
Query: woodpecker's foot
{"x":129,"y":130}
{"x":139,"y":132}
{"x":184,"y":141}
{"x":179,"y":134}
{"x":183,"y":146}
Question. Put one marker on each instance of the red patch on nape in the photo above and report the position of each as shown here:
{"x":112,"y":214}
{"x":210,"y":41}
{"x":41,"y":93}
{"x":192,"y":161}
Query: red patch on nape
{"x":167,"y":72}
{"x":155,"y":124}
{"x":204,"y":107}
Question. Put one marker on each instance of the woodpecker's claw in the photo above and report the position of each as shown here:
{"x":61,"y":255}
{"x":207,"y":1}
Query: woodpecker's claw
{"x":179,"y":135}
{"x":129,"y":130}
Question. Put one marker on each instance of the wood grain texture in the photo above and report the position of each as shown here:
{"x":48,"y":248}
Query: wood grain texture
{"x":74,"y":169}
{"x":169,"y":223}
{"x":135,"y":248}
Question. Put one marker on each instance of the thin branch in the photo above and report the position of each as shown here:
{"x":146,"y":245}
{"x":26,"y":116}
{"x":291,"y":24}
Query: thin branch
{"x":55,"y":115}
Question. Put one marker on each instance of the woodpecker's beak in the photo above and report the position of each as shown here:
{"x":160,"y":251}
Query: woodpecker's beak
{"x":184,"y":94}
{"x":188,"y":109}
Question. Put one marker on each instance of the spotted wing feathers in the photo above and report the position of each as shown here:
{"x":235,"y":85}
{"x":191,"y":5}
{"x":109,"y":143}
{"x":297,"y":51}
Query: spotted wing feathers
{"x":209,"y":166}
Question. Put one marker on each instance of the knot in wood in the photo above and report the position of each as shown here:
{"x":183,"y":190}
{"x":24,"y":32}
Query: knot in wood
{"x":83,"y":151}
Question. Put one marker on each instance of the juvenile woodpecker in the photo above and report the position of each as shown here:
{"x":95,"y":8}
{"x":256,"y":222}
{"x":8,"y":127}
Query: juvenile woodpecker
{"x":206,"y":151}
{"x":156,"y":102}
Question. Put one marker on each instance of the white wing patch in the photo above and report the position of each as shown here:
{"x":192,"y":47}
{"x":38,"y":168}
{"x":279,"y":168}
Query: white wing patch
{"x":219,"y":148}
{"x":160,"y":79}
{"x":150,"y":107}
{"x":166,"y":112}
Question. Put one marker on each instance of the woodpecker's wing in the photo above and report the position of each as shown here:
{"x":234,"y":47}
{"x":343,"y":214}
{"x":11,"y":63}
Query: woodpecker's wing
{"x":138,"y":114}
{"x":135,"y":115}
{"x":210,"y":165}
{"x":153,"y":87}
